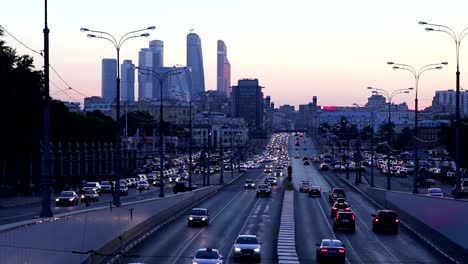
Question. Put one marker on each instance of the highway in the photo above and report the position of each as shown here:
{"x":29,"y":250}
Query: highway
{"x":233,"y":211}
{"x":30,"y":211}
{"x":313,"y":223}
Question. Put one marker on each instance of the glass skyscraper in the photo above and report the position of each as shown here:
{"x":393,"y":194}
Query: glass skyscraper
{"x":108,"y":80}
{"x":247,"y":102}
{"x":128,"y":81}
{"x":195,"y":62}
{"x":223,"y":70}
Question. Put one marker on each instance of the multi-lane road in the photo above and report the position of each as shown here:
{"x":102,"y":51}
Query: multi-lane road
{"x":235,"y":211}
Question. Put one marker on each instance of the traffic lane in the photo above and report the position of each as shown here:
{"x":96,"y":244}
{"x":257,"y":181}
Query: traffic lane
{"x":400,"y":248}
{"x":229,"y":212}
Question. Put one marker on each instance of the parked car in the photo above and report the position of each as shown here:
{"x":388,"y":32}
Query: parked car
{"x":67,"y":198}
{"x":247,"y":247}
{"x":385,"y":220}
{"x":330,"y":250}
{"x":198,"y":216}
{"x":143,"y":185}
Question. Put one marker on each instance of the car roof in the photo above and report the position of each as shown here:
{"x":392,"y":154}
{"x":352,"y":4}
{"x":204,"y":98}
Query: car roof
{"x":252,"y":236}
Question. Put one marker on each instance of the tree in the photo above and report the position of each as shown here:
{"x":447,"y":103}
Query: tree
{"x":448,"y":138}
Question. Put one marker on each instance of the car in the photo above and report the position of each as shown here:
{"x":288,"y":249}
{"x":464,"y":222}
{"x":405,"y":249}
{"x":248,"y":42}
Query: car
{"x":297,"y":156}
{"x":344,"y":220}
{"x":385,"y":220}
{"x":306,"y":163}
{"x":174,"y":179}
{"x":267,"y":169}
{"x":324,"y":166}
{"x":123,"y":190}
{"x":315,"y":191}
{"x":305,"y":158}
{"x":437,"y":192}
{"x":151,"y":177}
{"x":67,"y":198}
{"x":249,"y":184}
{"x":247,"y":247}
{"x":278,"y":172}
{"x":336,"y":193}
{"x":270,"y":180}
{"x":106,"y":186}
{"x":183,"y":186}
{"x":305,"y":185}
{"x":263,"y":190}
{"x":92,"y":185}
{"x":90,"y":195}
{"x":198,"y":216}
{"x":157,"y":182}
{"x":330,"y":250}
{"x":242,"y":168}
{"x":143,"y":185}
{"x":339,"y":206}
{"x":207,"y":256}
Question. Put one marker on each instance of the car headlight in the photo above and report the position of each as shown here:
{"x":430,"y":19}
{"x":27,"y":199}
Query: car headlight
{"x":246,"y":185}
{"x":190,"y":218}
{"x":237,"y":249}
{"x":257,"y":250}
{"x":82,"y":196}
{"x":194,"y":262}
{"x":71,"y":199}
{"x":203,"y":219}
{"x":57,"y":199}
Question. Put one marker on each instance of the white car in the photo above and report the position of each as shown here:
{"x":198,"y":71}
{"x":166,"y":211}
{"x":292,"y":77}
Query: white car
{"x":437,"y":192}
{"x":143,"y":185}
{"x":207,"y":256}
{"x":247,"y":246}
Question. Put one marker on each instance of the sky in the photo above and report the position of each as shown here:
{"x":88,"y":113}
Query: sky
{"x":297,"y":49}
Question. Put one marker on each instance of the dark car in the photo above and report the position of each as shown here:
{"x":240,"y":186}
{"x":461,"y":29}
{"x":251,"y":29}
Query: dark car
{"x":183,"y":186}
{"x":315,"y":191}
{"x":67,"y":198}
{"x":90,"y":195}
{"x":198,"y":216}
{"x":339,"y":206}
{"x":330,"y":250}
{"x":306,"y":163}
{"x":249,"y":184}
{"x":344,"y":220}
{"x":336,"y":193}
{"x":247,"y":247}
{"x":324,"y":166}
{"x":385,"y":220}
{"x":263,"y":190}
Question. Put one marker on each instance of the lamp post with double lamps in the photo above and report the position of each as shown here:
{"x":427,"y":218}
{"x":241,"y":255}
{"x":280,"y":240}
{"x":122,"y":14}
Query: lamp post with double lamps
{"x":417,"y":75}
{"x":161,"y":78}
{"x":457,"y":39}
{"x":117,"y":45}
{"x":389,"y":97}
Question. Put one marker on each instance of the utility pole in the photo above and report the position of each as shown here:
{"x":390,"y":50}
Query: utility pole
{"x":221,"y":174}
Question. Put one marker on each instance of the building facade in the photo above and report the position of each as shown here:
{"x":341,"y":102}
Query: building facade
{"x":127,"y":83}
{"x":195,"y":62}
{"x":144,"y":81}
{"x":109,"y":80}
{"x":247,"y":102}
{"x":223,"y":70}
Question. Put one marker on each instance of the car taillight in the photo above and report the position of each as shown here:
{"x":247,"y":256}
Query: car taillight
{"x":334,"y":208}
{"x":397,"y":220}
{"x":348,"y":209}
{"x":376,"y":219}
{"x":354,"y":217}
{"x":341,"y":251}
{"x":324,"y":250}
{"x":337,"y":216}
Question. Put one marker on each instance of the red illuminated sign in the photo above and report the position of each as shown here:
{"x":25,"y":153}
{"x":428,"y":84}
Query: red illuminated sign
{"x":328,"y":108}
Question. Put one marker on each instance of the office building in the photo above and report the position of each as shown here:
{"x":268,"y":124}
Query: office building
{"x":223,"y":70}
{"x":144,"y":81}
{"x":157,"y":53}
{"x":195,"y":62}
{"x":247,"y":102}
{"x":127,"y":82}
{"x":177,"y":84}
{"x":109,"y":80}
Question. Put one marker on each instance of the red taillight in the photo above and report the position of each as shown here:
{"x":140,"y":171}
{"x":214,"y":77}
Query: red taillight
{"x":397,"y":220}
{"x":376,"y":219}
{"x":341,"y":251}
{"x":348,"y":209}
{"x":354,"y":217}
{"x":337,"y":216}
{"x":324,"y":250}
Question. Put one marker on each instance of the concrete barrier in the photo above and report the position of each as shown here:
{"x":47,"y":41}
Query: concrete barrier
{"x":55,"y":240}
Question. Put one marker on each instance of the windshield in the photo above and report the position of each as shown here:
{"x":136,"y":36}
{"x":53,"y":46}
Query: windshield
{"x":66,"y":194}
{"x":198,"y":212}
{"x":207,"y":254}
{"x":247,"y":240}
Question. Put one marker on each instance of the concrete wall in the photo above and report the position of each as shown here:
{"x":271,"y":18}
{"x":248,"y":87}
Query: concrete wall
{"x":53,"y":241}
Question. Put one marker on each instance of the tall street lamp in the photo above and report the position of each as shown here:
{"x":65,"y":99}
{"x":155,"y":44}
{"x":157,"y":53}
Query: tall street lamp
{"x":389,"y":97}
{"x":457,"y":39}
{"x":161,"y":78}
{"x":417,"y":75}
{"x":117,"y":45}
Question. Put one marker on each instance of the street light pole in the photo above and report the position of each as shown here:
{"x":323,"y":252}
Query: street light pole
{"x":117,"y":45}
{"x":161,"y":79}
{"x":389,"y":97}
{"x":457,"y":39}
{"x":417,"y":75}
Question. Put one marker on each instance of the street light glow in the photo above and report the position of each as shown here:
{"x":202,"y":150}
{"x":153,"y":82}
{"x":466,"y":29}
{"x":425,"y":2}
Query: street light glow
{"x":145,"y":35}
{"x":422,"y":23}
{"x":151,"y":28}
{"x":429,"y":29}
{"x":390,"y":63}
{"x":91,"y":36}
{"x":84,"y":29}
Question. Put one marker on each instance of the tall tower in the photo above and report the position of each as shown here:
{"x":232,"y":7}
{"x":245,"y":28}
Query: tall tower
{"x":195,"y":62}
{"x":247,"y":102}
{"x":157,"y":49}
{"x":223,"y":70}
{"x":144,"y":81}
{"x":128,"y":81}
{"x":109,"y":79}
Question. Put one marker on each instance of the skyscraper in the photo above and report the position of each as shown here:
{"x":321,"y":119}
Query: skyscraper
{"x":247,"y":102}
{"x":144,"y":81}
{"x":223,"y":70}
{"x":157,"y":50}
{"x":109,"y":79}
{"x":128,"y":81}
{"x":195,"y":62}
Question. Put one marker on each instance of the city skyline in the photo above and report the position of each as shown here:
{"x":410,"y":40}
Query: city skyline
{"x":333,"y":51}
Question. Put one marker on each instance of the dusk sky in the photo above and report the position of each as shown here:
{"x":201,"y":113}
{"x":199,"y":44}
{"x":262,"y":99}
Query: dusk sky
{"x":297,"y":49}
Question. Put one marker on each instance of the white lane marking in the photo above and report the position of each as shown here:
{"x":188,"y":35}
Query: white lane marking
{"x":254,"y":208}
{"x":201,"y":230}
